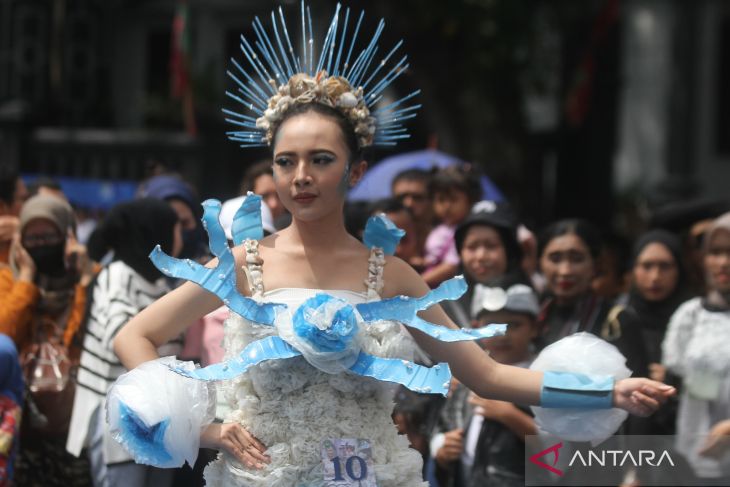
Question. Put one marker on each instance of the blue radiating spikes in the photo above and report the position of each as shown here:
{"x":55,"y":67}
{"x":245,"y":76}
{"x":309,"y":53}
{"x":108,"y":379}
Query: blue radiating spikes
{"x":269,"y":348}
{"x":238,"y":99}
{"x":248,"y":125}
{"x":393,"y":138}
{"x":398,"y":113}
{"x":336,"y":69}
{"x":252,"y":82}
{"x":352,"y":43}
{"x":284,"y":56}
{"x":394,"y":72}
{"x":246,"y":90}
{"x":239,"y":115}
{"x":304,"y":39}
{"x":295,"y":63}
{"x":434,"y":380}
{"x":281,"y":77}
{"x":328,"y":39}
{"x":386,"y":121}
{"x":396,"y":103}
{"x":333,"y":43}
{"x":370,"y":54}
{"x":267,"y":49}
{"x":252,"y":57}
{"x":310,"y":42}
{"x":362,"y":65}
{"x":364,"y":54}
{"x":221,"y":279}
{"x":382,"y":63}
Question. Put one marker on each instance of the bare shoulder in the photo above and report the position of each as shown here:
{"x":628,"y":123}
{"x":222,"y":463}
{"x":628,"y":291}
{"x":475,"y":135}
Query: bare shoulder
{"x":400,"y":278}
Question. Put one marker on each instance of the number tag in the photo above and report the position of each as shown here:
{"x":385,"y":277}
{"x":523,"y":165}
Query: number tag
{"x":348,"y":462}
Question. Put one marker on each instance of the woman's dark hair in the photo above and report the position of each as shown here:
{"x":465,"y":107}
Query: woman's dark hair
{"x":457,"y":178}
{"x":583,"y":229}
{"x":348,"y":130}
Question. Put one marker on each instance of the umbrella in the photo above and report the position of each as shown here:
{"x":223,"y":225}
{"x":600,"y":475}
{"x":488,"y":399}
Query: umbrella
{"x":376,"y":183}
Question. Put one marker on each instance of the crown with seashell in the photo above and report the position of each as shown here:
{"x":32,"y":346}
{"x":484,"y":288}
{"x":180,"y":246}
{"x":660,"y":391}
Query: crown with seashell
{"x":278,"y":79}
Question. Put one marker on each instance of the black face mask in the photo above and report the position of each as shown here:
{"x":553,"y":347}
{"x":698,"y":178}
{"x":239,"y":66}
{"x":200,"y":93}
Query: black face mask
{"x":49,"y":259}
{"x":193,"y":243}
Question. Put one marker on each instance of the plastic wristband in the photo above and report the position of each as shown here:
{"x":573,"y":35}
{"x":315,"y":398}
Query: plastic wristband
{"x":576,"y":391}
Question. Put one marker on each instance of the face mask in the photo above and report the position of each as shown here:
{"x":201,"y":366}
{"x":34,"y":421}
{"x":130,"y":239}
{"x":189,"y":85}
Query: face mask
{"x":193,"y":241}
{"x":49,"y":259}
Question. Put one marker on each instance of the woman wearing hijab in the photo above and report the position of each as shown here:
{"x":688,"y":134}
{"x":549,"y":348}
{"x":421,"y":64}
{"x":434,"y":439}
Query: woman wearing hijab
{"x":11,"y":402}
{"x":42,"y":302}
{"x":658,"y":288}
{"x":122,"y":289}
{"x":695,"y":348}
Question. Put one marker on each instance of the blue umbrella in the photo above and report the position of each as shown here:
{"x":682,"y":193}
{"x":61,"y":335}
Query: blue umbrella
{"x":376,"y":183}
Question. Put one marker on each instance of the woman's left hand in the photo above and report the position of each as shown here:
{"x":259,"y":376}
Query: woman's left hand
{"x":640,"y":396}
{"x":718,"y":441}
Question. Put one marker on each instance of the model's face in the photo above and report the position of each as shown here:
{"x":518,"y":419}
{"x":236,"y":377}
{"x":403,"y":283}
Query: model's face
{"x":483,"y":253}
{"x":568,"y":267}
{"x":414,"y":195}
{"x":310,"y":166}
{"x":717,"y":261}
{"x":451,"y":207}
{"x":514,"y":345}
{"x":655,"y":272}
{"x":266,"y":188}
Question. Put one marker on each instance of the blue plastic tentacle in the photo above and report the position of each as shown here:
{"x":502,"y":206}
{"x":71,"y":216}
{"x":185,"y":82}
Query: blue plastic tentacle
{"x":219,"y":280}
{"x":456,"y":335}
{"x":381,"y":232}
{"x":269,"y":348}
{"x":433,"y":380}
{"x":216,"y":236}
{"x":247,"y":220}
{"x":404,"y":308}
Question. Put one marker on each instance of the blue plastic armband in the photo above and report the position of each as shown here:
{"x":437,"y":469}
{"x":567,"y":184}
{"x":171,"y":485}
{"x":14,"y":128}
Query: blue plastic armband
{"x":576,"y":391}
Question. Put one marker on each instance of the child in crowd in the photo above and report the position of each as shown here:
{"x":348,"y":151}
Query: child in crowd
{"x":489,"y":449}
{"x":402,"y":217}
{"x":454,"y":190}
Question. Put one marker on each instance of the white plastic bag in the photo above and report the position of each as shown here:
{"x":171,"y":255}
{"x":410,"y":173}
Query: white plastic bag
{"x":585,"y":354}
{"x":158,"y":415}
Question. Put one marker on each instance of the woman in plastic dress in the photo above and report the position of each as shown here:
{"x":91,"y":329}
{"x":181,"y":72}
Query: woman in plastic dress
{"x":339,"y":338}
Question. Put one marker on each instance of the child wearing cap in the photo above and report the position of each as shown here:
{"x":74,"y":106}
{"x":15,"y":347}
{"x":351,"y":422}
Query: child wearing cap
{"x":489,"y":450}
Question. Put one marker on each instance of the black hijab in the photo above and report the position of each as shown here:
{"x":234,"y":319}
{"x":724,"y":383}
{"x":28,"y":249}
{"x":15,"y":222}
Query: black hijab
{"x":132,"y":230}
{"x":656,"y":314}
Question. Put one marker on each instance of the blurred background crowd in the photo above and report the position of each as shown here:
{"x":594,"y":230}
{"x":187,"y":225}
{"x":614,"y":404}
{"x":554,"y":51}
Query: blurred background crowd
{"x":570,"y":160}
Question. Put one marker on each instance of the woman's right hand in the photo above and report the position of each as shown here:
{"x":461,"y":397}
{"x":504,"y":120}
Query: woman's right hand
{"x":23,"y":260}
{"x":234,"y":439}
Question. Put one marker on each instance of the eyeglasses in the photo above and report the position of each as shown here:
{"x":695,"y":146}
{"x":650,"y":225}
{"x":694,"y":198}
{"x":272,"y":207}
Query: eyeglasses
{"x":40,"y":240}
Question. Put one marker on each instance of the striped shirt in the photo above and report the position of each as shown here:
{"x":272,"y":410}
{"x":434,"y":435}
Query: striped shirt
{"x":119,"y":294}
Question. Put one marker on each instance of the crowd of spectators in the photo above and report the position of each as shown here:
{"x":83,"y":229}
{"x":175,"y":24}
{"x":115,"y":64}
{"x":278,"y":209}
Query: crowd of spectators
{"x":662,"y":298}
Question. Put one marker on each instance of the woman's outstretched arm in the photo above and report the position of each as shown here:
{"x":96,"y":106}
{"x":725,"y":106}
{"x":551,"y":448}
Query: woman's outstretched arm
{"x":489,"y":379}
